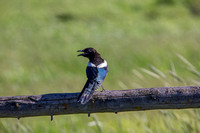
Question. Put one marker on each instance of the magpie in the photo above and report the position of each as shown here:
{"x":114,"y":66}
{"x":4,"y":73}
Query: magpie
{"x":96,"y":72}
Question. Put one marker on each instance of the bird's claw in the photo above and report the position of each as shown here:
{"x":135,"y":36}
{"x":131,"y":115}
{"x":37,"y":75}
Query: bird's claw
{"x":102,"y":88}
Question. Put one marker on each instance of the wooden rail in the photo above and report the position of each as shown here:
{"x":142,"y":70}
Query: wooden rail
{"x":106,"y":101}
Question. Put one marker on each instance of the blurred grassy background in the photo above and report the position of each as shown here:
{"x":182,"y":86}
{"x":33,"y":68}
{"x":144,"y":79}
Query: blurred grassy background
{"x":149,"y":43}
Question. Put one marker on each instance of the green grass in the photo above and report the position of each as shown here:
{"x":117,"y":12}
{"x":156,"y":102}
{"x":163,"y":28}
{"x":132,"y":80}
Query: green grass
{"x":150,"y":43}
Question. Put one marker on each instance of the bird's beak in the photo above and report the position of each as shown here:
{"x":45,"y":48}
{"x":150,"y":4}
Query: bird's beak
{"x":80,"y":51}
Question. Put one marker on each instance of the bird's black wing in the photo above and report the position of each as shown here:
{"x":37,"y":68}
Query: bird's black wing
{"x":88,"y":89}
{"x":92,"y":73}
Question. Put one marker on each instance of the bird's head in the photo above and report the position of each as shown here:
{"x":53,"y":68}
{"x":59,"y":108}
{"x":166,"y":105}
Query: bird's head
{"x":88,"y":52}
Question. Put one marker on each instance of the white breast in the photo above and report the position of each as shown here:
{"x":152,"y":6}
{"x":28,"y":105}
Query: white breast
{"x":104,"y":64}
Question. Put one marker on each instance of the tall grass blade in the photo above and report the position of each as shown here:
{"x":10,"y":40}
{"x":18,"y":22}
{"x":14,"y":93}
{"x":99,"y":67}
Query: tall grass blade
{"x":157,"y":71}
{"x":185,"y":61}
{"x":138,"y":74}
{"x":175,"y":76}
{"x":150,"y":73}
{"x":195,"y":82}
{"x":172,"y":67}
{"x":97,"y":124}
{"x":24,"y":129}
{"x":194,"y":71}
{"x":191,"y":68}
{"x":122,"y":85}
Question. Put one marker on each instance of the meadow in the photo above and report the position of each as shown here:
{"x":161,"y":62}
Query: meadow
{"x":149,"y":43}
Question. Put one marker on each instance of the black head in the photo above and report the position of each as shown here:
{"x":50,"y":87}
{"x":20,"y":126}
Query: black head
{"x":88,"y":52}
{"x":92,"y":55}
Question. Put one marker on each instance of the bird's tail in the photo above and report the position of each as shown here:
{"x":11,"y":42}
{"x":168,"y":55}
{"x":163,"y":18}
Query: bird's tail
{"x":87,"y":92}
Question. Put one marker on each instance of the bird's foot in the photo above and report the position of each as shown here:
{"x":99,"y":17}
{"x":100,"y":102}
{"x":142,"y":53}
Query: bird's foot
{"x":103,"y":89}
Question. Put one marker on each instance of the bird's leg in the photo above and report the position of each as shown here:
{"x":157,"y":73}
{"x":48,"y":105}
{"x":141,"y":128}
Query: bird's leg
{"x":102,"y":88}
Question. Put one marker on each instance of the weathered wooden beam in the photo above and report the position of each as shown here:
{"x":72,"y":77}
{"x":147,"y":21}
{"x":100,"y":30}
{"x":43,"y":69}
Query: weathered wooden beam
{"x":106,"y":101}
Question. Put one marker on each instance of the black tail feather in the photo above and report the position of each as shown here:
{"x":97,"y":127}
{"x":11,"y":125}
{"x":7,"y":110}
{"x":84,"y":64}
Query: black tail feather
{"x":85,"y":97}
{"x":87,"y":92}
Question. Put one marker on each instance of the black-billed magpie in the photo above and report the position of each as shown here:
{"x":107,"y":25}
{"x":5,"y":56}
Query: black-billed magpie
{"x":96,"y":71}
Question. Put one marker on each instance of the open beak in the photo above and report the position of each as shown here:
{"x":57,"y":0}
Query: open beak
{"x":81,"y":54}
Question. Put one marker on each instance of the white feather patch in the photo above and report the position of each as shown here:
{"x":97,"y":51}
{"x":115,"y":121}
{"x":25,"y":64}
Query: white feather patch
{"x":104,"y":64}
{"x":91,"y":64}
